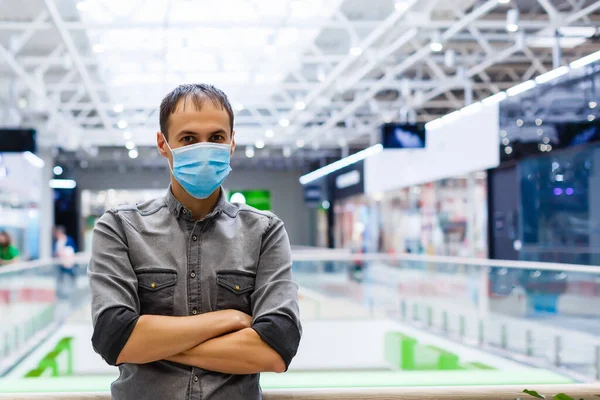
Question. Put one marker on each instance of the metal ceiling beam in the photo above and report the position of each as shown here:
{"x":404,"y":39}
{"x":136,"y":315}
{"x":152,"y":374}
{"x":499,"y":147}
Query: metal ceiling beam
{"x":37,"y":89}
{"x":77,"y":61}
{"x":408,"y":63}
{"x":17,"y":43}
{"x":341,"y":67}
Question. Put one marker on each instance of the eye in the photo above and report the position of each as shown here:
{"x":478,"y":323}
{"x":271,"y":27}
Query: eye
{"x":217,"y":138}
{"x":187,"y":139}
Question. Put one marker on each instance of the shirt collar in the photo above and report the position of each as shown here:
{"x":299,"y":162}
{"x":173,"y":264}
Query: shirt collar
{"x":180,"y":211}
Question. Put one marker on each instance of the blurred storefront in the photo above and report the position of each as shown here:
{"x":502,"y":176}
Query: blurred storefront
{"x":447,"y":217}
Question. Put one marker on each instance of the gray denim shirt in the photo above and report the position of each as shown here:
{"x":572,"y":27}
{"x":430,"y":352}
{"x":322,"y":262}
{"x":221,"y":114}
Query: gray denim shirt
{"x":153,"y":258}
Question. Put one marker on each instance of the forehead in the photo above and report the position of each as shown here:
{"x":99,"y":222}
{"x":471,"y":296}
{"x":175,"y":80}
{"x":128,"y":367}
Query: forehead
{"x":198,"y":109}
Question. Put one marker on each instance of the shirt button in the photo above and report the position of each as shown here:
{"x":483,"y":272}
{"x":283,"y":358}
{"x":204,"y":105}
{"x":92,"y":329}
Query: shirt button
{"x":194,"y":312}
{"x":193,"y":274}
{"x":195,"y":378}
{"x":194,"y":238}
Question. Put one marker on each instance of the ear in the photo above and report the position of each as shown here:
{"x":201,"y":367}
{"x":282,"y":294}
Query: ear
{"x":232,"y":142}
{"x":161,"y":145}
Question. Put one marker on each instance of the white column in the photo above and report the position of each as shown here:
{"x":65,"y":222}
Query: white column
{"x":46,"y":206}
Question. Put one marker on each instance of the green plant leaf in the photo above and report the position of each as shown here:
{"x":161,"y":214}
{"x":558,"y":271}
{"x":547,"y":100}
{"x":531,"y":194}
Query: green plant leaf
{"x":534,"y":394}
{"x":562,"y":396}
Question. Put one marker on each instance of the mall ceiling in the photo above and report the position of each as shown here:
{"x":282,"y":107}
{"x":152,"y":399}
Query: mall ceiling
{"x":309,"y":79}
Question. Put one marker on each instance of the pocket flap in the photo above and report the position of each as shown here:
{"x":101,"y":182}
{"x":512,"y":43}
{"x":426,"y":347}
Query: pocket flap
{"x":156,"y":279}
{"x":237,"y":282}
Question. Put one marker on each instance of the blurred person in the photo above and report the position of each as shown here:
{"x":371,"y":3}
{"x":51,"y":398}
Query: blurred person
{"x":192,"y":296}
{"x":64,"y":250}
{"x":8,"y":253}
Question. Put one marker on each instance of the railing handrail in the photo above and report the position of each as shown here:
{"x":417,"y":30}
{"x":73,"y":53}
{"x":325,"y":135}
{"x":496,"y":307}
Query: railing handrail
{"x":481,"y":262}
{"x":345,"y":256}
{"x":78,"y":258}
{"x":405,"y":393}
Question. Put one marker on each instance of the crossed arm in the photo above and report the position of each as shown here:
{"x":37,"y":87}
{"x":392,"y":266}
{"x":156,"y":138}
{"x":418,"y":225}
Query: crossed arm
{"x":220,"y":341}
{"x":224,"y":341}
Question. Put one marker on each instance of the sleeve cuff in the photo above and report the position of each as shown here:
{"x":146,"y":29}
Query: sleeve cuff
{"x":279,"y":332}
{"x":112,"y":331}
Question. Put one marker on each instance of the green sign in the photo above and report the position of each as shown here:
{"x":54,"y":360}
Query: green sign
{"x":259,"y":199}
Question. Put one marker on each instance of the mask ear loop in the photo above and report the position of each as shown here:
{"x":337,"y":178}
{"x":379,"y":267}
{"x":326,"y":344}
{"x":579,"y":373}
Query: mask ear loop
{"x":172,"y":155}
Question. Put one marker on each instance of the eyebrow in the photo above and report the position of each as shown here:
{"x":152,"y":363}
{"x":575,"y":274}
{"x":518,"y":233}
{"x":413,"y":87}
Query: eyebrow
{"x":191,"y":133}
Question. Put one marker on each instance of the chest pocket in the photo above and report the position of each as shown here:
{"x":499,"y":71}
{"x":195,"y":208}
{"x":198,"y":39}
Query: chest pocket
{"x":156,"y":290}
{"x":234,"y":289}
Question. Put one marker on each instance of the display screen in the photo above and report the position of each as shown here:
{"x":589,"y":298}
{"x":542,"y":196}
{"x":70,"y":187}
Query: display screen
{"x":17,"y":140}
{"x":403,"y":136}
{"x":573,"y":134}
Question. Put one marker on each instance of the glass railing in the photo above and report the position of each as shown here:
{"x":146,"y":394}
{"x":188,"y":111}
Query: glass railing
{"x":369,"y":321}
{"x":540,"y":314}
{"x":35,"y":297}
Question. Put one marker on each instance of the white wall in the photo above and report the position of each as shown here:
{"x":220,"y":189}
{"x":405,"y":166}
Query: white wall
{"x":466,"y":144}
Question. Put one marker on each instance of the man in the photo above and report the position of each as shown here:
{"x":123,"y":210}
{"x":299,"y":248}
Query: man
{"x":191,"y":295}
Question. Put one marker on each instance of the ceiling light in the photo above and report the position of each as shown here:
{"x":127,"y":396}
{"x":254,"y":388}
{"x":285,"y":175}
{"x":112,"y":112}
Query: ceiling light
{"x":22,"y":103}
{"x":503,"y":1}
{"x":344,"y":162}
{"x":539,"y":121}
{"x":555,"y":73}
{"x":259,"y":144}
{"x":582,"y":62}
{"x":521,"y":88}
{"x":512,"y":20}
{"x":520,"y":122}
{"x":300,"y":105}
{"x":122,"y":124}
{"x":118,"y":108}
{"x":133,"y":154}
{"x":503,"y":133}
{"x":355,"y":51}
{"x":82,"y":5}
{"x":250,"y":152}
{"x":401,"y":5}
{"x":130,"y":145}
{"x":238,"y":106}
{"x":436,"y":42}
{"x":437,"y":47}
{"x":497,"y":98}
{"x":506,"y":141}
{"x":34,"y":160}
{"x":287,"y":152}
{"x":508,"y":150}
{"x":57,"y":170}
{"x":127,"y":135}
{"x":546,"y":140}
{"x":284,"y":122}
{"x":269,"y":133}
{"x":540,"y":132}
{"x":591,"y":117}
{"x":98,"y":48}
{"x":62,"y":183}
{"x":593,"y":104}
{"x":321,"y":74}
{"x":300,"y":143}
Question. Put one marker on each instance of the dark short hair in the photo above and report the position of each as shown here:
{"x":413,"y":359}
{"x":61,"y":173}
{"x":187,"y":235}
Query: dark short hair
{"x":60,"y":229}
{"x":199,"y":93}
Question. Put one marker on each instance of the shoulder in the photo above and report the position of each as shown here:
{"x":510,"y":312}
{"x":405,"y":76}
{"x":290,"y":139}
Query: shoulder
{"x":145,"y":208}
{"x":13,"y":250}
{"x":250,"y":215}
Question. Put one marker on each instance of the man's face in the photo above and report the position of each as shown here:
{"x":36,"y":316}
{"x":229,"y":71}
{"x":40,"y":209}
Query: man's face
{"x":3,"y":240}
{"x":188,"y":125}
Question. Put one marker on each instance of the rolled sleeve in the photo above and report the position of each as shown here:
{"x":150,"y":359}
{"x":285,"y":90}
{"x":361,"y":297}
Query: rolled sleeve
{"x":275,"y":311}
{"x":113,"y":284}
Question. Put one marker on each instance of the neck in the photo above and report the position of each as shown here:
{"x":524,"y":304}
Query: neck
{"x":199,"y":207}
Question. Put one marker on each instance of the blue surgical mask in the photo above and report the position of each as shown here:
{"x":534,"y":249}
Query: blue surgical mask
{"x":201,"y":168}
